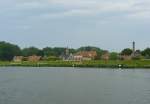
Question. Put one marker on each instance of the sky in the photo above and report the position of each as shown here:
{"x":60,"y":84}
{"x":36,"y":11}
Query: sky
{"x":107,"y":24}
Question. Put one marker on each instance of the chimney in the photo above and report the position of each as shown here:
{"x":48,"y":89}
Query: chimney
{"x":133,"y":47}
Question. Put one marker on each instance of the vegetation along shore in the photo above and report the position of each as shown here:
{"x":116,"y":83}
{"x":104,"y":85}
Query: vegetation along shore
{"x":88,"y":56}
{"x":94,"y":64}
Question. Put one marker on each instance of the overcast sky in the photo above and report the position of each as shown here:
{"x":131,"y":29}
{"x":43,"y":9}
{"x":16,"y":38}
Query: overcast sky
{"x":108,"y":24}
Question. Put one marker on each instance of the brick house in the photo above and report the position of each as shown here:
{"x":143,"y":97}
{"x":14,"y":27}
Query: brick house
{"x":34,"y":58}
{"x":85,"y":55}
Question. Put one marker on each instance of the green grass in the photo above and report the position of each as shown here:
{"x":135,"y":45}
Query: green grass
{"x":101,"y":63}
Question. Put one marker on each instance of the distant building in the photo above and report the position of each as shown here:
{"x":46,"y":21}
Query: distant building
{"x":125,"y":57}
{"x":105,"y":55}
{"x":85,"y":55}
{"x":66,"y":56}
{"x":77,"y":58}
{"x":18,"y":58}
{"x":135,"y":53}
{"x":34,"y":58}
{"x":133,"y":49}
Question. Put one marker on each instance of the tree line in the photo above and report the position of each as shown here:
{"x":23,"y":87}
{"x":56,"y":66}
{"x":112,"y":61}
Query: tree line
{"x":8,"y":51}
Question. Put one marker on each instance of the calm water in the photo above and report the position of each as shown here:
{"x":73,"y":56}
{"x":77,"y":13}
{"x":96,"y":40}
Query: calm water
{"x":74,"y":86}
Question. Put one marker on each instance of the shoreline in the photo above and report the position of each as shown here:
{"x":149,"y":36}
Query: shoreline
{"x":85,"y":64}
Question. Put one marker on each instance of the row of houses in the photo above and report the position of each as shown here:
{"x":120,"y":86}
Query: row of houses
{"x":33,"y":58}
{"x":79,"y":56}
{"x":83,"y":56}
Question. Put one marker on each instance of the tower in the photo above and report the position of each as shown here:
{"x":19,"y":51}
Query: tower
{"x":67,"y":51}
{"x":133,"y":47}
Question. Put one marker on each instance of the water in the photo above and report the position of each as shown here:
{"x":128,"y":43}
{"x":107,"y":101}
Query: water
{"x":74,"y":86}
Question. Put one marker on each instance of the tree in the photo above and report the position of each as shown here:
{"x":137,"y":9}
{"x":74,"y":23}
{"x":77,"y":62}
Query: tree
{"x":8,"y":51}
{"x":126,"y":51}
{"x":72,"y":50}
{"x":113,"y":56}
{"x":58,"y":51}
{"x":32,"y":51}
{"x":89,"y":48}
{"x":48,"y":51}
{"x":146,"y":53}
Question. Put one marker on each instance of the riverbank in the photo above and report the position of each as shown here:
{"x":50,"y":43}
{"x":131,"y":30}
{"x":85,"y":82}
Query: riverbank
{"x":96,"y":64}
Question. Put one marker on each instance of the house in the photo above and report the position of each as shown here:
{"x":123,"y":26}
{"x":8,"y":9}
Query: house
{"x":34,"y":58}
{"x":105,"y":55}
{"x":77,"y":58}
{"x":125,"y":57}
{"x":136,"y":54}
{"x":18,"y":58}
{"x":85,"y":55}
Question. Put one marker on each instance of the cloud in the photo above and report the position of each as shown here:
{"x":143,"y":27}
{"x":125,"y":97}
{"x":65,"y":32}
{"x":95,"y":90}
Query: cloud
{"x":96,"y":7}
{"x":68,"y":19}
{"x":64,"y":8}
{"x":140,"y":15}
{"x":55,"y":9}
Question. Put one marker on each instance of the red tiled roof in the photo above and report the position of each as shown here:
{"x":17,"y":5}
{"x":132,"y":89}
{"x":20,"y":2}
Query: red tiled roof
{"x":89,"y":54}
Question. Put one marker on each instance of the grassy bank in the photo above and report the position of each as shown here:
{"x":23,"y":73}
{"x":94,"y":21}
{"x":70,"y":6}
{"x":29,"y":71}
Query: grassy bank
{"x":102,"y":64}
